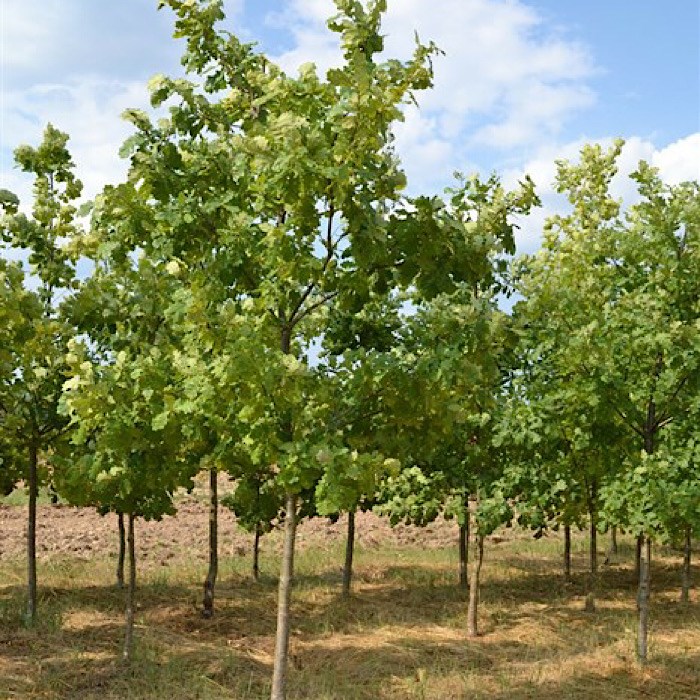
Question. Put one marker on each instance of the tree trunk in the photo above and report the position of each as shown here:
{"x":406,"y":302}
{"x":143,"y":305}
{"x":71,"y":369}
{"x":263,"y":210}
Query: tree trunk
{"x":256,"y":552}
{"x":687,"y":556}
{"x":472,"y":626}
{"x":643,"y":599}
{"x":638,"y":557}
{"x":593,"y":566}
{"x":279,"y":673}
{"x":464,"y":553}
{"x":593,"y":547}
{"x":613,"y":540}
{"x":33,"y":484}
{"x":122,"y":551}
{"x":567,"y":553}
{"x":349,"y":552}
{"x":210,"y":581}
{"x":130,"y":591}
{"x":644,"y":542}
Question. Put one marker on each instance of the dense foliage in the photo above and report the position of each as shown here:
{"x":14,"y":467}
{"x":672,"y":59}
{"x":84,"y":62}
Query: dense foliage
{"x":265,"y":301}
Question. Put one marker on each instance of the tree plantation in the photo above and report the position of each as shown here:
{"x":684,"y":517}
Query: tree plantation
{"x":272,"y":327}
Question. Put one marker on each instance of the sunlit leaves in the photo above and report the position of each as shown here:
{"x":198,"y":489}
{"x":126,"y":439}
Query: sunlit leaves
{"x":611,"y":342}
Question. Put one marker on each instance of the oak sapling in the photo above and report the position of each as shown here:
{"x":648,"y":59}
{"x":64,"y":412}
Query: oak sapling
{"x":621,"y":342}
{"x":32,"y":365}
{"x":128,"y":452}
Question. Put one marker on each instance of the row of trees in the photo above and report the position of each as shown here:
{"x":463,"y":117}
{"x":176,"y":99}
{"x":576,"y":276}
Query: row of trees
{"x":265,"y":301}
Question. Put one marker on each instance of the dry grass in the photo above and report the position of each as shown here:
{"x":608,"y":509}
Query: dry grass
{"x":401,"y":636}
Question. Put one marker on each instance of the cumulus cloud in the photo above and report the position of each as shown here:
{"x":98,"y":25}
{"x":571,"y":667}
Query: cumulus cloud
{"x":89,"y":111}
{"x":64,"y":39}
{"x":25,"y":42}
{"x":505,"y":82}
{"x":677,"y":162}
{"x":77,"y":64}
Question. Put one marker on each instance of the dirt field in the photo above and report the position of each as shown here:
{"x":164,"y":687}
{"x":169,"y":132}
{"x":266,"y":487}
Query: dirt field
{"x":83,"y":533}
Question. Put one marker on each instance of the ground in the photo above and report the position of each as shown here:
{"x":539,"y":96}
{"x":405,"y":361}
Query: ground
{"x":401,"y":635}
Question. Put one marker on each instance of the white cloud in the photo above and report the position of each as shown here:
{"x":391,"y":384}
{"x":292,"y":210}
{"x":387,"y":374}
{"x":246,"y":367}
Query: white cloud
{"x":505,"y":82}
{"x":77,"y":64}
{"x":677,"y":161}
{"x":312,"y":46}
{"x":533,"y":111}
{"x":89,"y":111}
{"x":427,"y":155}
{"x":25,"y":40}
{"x":61,"y":40}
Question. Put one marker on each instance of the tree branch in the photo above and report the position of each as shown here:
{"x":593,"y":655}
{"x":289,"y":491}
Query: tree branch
{"x":665,"y":416}
{"x":297,"y":313}
{"x":309,"y":309}
{"x":627,"y":421}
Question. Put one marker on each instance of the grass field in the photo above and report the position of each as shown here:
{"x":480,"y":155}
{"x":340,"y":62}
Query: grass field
{"x":401,"y":635}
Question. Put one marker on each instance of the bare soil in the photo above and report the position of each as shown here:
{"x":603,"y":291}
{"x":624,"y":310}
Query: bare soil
{"x":83,"y":533}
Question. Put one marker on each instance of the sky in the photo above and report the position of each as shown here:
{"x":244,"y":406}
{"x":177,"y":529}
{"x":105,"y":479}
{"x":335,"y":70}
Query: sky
{"x":521,"y":82}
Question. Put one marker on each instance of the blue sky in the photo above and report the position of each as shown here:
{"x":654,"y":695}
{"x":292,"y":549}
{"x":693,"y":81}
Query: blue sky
{"x":522,"y":82}
{"x":648,"y":53}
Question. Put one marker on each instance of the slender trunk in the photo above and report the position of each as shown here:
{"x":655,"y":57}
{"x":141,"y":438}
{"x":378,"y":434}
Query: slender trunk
{"x":256,"y":552}
{"x":279,"y":673}
{"x":593,"y":547}
{"x":612,"y":549}
{"x":638,"y":557}
{"x":593,"y":568}
{"x":122,"y":551}
{"x":349,"y":552}
{"x":644,"y":541}
{"x":464,"y":553}
{"x":33,"y":484}
{"x":643,"y":599}
{"x":472,"y":627}
{"x":130,"y":591}
{"x":210,"y":581}
{"x":567,"y":553}
{"x":687,"y":556}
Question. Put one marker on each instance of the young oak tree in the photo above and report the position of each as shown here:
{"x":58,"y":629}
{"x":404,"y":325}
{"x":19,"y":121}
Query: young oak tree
{"x":275,"y":191}
{"x":280,"y":198}
{"x":128,"y":451}
{"x":464,"y":340}
{"x":564,"y":444}
{"x":622,"y":295}
{"x":34,"y":367}
{"x":17,"y":307}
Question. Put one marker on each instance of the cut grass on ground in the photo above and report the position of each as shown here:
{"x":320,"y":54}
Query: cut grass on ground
{"x":401,"y":635}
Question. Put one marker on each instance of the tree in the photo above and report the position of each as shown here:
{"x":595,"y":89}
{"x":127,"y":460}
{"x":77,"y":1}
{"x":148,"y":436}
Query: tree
{"x":620,"y":293}
{"x":279,"y":198}
{"x":257,"y":505}
{"x":564,"y":444}
{"x":250,"y":177}
{"x":17,"y":307}
{"x":128,"y":454}
{"x":34,"y":367}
